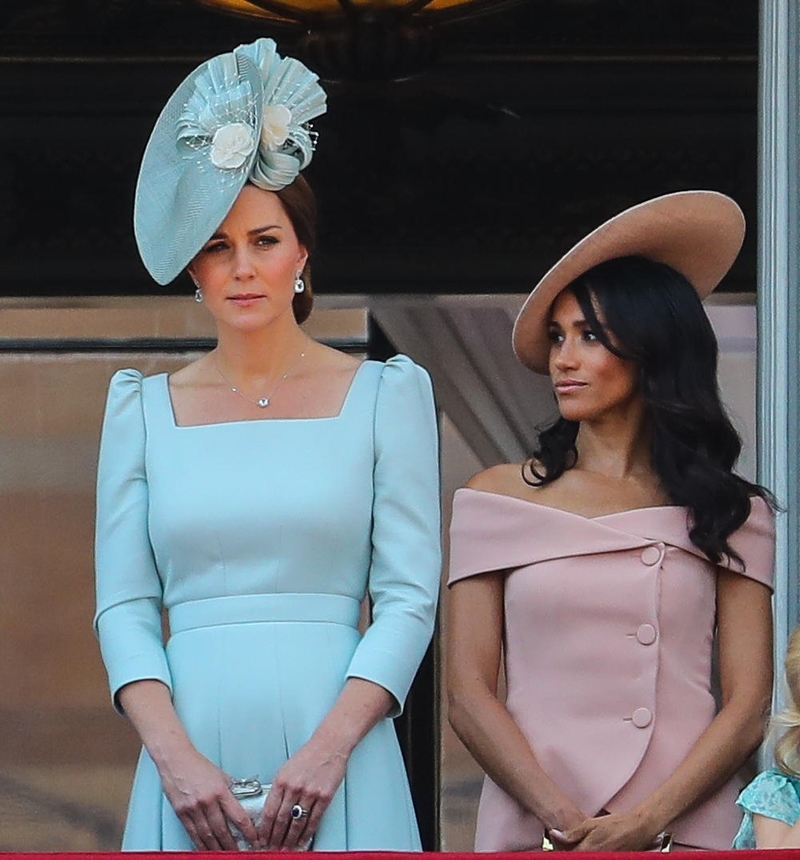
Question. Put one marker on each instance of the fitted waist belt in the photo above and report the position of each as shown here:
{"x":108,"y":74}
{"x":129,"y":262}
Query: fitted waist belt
{"x":255,"y":608}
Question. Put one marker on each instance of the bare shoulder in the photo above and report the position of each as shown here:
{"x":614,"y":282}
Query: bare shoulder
{"x":520,"y":481}
{"x":504,"y":479}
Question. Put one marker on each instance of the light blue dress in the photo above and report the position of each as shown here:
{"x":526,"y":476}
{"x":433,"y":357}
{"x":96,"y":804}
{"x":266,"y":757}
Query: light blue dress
{"x":773,"y":794}
{"x":260,"y":539}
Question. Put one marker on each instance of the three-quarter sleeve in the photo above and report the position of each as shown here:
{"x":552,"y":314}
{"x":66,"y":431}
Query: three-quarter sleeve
{"x":129,"y":592}
{"x":406,"y":538}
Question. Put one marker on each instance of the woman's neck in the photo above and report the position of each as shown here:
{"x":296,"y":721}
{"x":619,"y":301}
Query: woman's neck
{"x":615,"y":446}
{"x":259,"y":356}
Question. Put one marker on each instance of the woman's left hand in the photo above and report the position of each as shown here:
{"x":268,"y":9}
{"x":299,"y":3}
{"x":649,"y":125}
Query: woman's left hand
{"x":625,"y":831}
{"x":305,"y":783}
{"x":308,"y":781}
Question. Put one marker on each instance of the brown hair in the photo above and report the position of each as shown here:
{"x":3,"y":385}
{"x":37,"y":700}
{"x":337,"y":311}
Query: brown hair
{"x":300,"y":205}
{"x":787,"y":746}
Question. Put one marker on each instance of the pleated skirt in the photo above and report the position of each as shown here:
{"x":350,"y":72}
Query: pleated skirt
{"x":253,"y":676}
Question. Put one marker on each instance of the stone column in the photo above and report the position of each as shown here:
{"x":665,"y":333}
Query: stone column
{"x":779,"y":296}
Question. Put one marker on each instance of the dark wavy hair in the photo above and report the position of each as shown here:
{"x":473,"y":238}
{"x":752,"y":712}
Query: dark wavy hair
{"x":656,"y":320}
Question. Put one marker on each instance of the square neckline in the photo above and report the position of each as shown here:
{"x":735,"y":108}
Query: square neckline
{"x":336,"y":417}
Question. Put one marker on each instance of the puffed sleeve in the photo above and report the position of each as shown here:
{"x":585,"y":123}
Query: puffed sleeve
{"x":406,"y":541}
{"x":772,"y":794}
{"x":128,"y":617}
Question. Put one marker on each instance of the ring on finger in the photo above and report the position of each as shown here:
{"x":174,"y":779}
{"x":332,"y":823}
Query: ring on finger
{"x":297,"y":812}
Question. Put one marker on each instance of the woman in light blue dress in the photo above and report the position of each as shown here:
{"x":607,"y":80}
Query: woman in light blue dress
{"x":256,"y":497}
{"x":771,"y":803}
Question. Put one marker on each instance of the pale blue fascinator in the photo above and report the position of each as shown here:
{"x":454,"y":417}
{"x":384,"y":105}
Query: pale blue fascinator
{"x":240,"y":117}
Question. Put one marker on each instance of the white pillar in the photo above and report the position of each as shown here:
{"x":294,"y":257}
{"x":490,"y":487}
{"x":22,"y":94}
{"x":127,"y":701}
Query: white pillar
{"x":779,"y":298}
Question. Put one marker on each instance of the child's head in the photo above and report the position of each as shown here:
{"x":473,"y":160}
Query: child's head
{"x":787,"y":747}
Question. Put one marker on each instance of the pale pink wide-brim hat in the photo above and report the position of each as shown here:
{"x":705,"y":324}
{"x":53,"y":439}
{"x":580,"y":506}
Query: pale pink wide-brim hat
{"x":697,"y":233}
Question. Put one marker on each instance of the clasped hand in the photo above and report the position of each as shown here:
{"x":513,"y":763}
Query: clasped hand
{"x":625,"y":831}
{"x":307,"y":782}
{"x":199,"y":793}
{"x":201,"y":797}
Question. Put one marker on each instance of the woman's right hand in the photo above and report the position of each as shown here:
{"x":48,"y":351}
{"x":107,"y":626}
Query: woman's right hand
{"x":195,"y":787}
{"x":199,"y":793}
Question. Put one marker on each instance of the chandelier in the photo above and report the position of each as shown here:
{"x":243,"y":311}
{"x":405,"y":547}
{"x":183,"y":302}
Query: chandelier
{"x":361,"y":39}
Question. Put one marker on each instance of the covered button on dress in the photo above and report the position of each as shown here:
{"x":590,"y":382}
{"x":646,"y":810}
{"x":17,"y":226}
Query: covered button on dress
{"x":607,"y":651}
{"x":260,"y":539}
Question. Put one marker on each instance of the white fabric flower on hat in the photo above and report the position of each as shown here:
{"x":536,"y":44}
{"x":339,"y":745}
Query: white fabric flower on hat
{"x":231,"y":145}
{"x":275,"y":126}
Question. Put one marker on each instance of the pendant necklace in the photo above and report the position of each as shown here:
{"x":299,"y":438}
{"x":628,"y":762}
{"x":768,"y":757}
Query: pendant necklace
{"x":262,"y":402}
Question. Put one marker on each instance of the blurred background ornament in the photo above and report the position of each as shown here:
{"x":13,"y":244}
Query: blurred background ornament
{"x":362,"y":39}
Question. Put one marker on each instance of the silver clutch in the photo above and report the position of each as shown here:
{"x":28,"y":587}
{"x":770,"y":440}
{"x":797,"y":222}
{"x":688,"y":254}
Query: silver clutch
{"x":252,"y":794}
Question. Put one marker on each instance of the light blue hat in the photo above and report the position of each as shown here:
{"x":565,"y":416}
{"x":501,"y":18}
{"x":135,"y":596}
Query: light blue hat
{"x":242,"y":116}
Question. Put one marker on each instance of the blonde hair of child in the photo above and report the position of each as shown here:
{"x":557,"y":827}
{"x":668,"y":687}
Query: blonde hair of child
{"x":787,"y":746}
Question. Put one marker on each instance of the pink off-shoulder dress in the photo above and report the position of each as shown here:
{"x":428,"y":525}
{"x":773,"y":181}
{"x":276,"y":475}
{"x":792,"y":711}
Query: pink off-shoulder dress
{"x":608,"y":642}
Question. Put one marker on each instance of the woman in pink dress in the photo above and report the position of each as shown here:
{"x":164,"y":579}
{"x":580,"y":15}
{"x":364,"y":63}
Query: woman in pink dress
{"x":603,"y":571}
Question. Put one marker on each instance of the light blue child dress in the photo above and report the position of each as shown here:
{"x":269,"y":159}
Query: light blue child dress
{"x":773,"y":794}
{"x":260,"y":539}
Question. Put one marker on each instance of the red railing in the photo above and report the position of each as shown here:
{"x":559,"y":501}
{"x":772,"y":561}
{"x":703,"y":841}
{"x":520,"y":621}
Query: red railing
{"x":774,"y":854}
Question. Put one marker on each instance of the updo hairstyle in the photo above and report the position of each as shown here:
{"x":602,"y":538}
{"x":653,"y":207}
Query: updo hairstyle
{"x":300,"y":205}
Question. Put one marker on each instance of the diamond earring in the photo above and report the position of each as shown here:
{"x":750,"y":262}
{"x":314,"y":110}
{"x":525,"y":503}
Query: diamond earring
{"x":198,"y":295}
{"x":299,"y":284}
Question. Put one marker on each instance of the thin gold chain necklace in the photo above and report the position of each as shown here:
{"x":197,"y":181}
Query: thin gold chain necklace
{"x":262,"y":402}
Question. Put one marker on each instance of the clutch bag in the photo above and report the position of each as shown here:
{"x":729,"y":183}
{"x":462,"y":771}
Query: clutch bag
{"x":252,"y":794}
